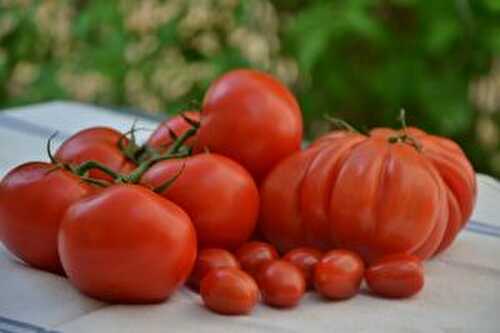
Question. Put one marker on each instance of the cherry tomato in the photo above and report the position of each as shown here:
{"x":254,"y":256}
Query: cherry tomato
{"x":338,"y":275}
{"x":396,"y":276}
{"x":252,"y":118}
{"x":229,"y":291}
{"x":100,"y":144}
{"x":33,"y":199}
{"x":127,"y":244}
{"x":282,"y":284}
{"x":305,"y":258}
{"x":161,"y":139}
{"x":218,"y":194}
{"x":209,"y":259}
{"x":253,"y":254}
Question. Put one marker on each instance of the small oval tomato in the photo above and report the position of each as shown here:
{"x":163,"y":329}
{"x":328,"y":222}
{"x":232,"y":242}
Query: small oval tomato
{"x":217,"y":193}
{"x":338,"y":275}
{"x":252,"y":118}
{"x":229,"y":291}
{"x":33,"y":199}
{"x":282,"y":284}
{"x":127,"y":244}
{"x":396,"y":276}
{"x":100,"y":144}
{"x":305,"y":258}
{"x":161,"y":139}
{"x":209,"y":259}
{"x":253,"y":254}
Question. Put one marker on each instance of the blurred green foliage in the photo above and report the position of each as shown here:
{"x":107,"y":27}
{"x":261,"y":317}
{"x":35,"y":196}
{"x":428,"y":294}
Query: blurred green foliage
{"x":361,"y":60}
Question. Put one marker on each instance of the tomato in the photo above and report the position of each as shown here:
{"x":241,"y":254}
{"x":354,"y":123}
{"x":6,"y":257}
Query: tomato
{"x":161,"y":139}
{"x":33,"y":199}
{"x":209,"y":259}
{"x":253,"y":254}
{"x":218,"y":194}
{"x":100,"y":144}
{"x":389,"y":192}
{"x":282,"y":284}
{"x":229,"y":291}
{"x":338,"y":275}
{"x":127,"y":244}
{"x":252,"y":118}
{"x":396,"y":276}
{"x":305,"y":258}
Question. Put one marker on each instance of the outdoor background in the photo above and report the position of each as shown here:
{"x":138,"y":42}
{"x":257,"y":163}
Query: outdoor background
{"x":361,"y":60}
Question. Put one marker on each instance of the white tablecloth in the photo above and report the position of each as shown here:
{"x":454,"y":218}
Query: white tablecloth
{"x":462,"y":291}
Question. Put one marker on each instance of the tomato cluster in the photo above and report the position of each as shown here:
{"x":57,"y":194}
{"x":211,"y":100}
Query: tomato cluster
{"x":131,"y":223}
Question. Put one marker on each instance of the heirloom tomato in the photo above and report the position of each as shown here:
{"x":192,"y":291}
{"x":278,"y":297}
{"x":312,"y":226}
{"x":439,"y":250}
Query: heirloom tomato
{"x":377,"y":194}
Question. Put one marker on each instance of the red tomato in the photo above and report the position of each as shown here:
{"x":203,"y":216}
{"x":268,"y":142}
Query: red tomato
{"x":253,"y":254}
{"x":396,"y":276}
{"x":375,"y":195}
{"x":99,"y":144}
{"x":33,"y":199}
{"x":127,"y":244}
{"x":338,"y":275}
{"x":282,"y":284}
{"x":161,"y":139}
{"x":229,"y":291}
{"x":209,"y":259}
{"x":218,"y":194}
{"x":305,"y":258}
{"x":252,"y":118}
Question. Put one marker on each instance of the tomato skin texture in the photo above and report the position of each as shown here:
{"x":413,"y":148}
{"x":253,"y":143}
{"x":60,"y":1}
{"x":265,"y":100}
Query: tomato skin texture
{"x":160,"y":139}
{"x":209,"y":259}
{"x":396,"y":276}
{"x":252,"y":118}
{"x":33,"y":200}
{"x":217,"y":193}
{"x":370,"y":194}
{"x":98,"y":144}
{"x":253,"y":254}
{"x":339,"y":274}
{"x":126,"y":244}
{"x":229,"y":291}
{"x":282,"y":284}
{"x":305,"y":258}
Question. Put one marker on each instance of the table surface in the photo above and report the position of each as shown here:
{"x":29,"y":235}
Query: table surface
{"x":462,"y":291}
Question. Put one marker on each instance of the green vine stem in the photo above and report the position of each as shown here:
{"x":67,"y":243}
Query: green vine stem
{"x":403,"y":136}
{"x":83,"y":168}
{"x":136,"y":175}
{"x":339,"y":123}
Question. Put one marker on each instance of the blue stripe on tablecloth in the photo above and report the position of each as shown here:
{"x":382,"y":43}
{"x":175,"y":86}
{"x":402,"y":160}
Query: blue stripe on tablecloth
{"x":26,"y":127}
{"x":8,"y":325}
{"x":483,"y":228}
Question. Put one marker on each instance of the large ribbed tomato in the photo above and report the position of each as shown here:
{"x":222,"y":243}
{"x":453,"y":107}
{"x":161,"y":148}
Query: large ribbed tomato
{"x":252,"y":118}
{"x":388,"y":192}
